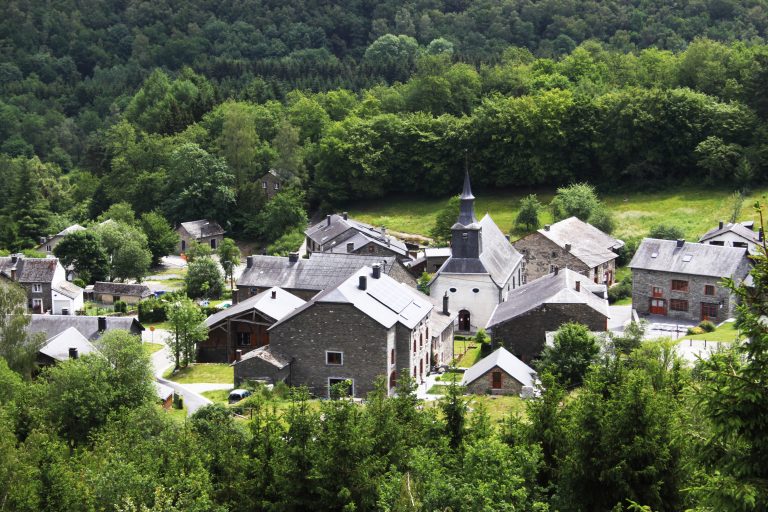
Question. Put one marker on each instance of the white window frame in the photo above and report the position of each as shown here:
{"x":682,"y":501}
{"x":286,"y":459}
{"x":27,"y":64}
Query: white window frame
{"x":37,"y":288}
{"x":37,"y":303}
{"x":334,"y":352}
{"x":277,"y":186}
{"x":352,"y":389}
{"x":264,"y":185}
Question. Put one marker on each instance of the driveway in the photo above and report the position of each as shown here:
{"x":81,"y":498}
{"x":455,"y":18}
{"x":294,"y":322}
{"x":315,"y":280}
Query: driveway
{"x":620,"y":317}
{"x":663,"y":326}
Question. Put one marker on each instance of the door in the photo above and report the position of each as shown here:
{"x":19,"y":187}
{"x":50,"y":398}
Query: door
{"x":213,"y":244}
{"x":709,"y":311}
{"x":464,"y":320}
{"x":496,"y":380}
{"x":658,"y":307}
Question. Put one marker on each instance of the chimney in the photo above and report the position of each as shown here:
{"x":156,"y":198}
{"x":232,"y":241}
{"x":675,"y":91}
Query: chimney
{"x":235,"y":296}
{"x":445,"y":304}
{"x":327,"y":220}
{"x":102,"y":323}
{"x":578,"y":286}
{"x":13,"y":273}
{"x":567,"y":247}
{"x":546,"y":227}
{"x":14,"y":258}
{"x":293,"y":257}
{"x":345,"y":215}
{"x":384,"y":230}
{"x":264,"y":251}
{"x":376,"y":271}
{"x":274,"y":294}
{"x":249,"y":262}
{"x":363,"y":284}
{"x":680,"y":242}
{"x":350,"y":246}
{"x":557,"y":269}
{"x":720,"y":225}
{"x":238,"y":354}
{"x":72,"y":353}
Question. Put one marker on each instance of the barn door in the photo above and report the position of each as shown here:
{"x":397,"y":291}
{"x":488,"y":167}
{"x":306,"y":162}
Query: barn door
{"x":658,"y":307}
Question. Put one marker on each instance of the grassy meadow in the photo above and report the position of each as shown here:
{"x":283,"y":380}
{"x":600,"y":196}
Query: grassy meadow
{"x":695,"y":210}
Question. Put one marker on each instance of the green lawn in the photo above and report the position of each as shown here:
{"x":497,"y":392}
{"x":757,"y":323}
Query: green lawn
{"x":695,"y":210}
{"x":626,"y":301}
{"x":499,"y":406}
{"x":438,"y":389}
{"x":151,"y":348}
{"x":471,"y":357}
{"x":177,"y":415}
{"x":159,"y":325}
{"x":217,"y":373}
{"x":451,"y":377}
{"x":726,"y":332}
{"x":218,"y":396}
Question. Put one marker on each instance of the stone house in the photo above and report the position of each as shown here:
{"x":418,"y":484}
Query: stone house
{"x":365,"y":327}
{"x":201,"y":231}
{"x":573,"y":244}
{"x":44,"y":280}
{"x":499,"y":373}
{"x":109,"y":293}
{"x":684,"y":280}
{"x":48,"y":244}
{"x":520,"y":324}
{"x":305,"y":277}
{"x":740,"y":235}
{"x":339,"y":234}
{"x":482,"y":269}
{"x":271,"y":184}
{"x":242,"y":327}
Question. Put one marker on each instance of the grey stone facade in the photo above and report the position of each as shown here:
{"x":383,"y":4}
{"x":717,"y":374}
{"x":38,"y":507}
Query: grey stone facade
{"x":484,"y":384}
{"x":257,"y":369}
{"x":542,"y":254}
{"x":643,"y":282}
{"x":524,"y":336}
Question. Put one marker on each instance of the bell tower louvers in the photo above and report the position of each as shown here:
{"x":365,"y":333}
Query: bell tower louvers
{"x":466,"y":234}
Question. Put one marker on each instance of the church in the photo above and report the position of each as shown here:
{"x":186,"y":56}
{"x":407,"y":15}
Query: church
{"x":482,"y":269}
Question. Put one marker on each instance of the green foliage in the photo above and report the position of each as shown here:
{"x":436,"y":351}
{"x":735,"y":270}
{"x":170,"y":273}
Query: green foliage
{"x":706,"y":326}
{"x":481,"y":337}
{"x":580,"y":200}
{"x":630,"y":338}
{"x":528,"y":215}
{"x":620,"y":291}
{"x":152,"y":310}
{"x":83,"y":250}
{"x":441,"y":232}
{"x":423,"y":282}
{"x":187,"y":328}
{"x":574,"y":349}
{"x":229,"y":257}
{"x":666,"y":232}
{"x":161,"y":238}
{"x":120,"y":306}
{"x":196,"y":250}
{"x":17,"y":347}
{"x":204,"y":278}
{"x":281,"y":215}
{"x":288,"y":243}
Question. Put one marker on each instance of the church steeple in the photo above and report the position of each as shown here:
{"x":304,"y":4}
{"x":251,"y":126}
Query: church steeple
{"x":466,"y":238}
{"x":467,"y":209}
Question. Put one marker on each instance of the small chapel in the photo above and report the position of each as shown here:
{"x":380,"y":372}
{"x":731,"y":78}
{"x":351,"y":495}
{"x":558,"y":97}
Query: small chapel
{"x":482,"y":269}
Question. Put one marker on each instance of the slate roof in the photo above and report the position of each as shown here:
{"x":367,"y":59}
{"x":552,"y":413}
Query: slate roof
{"x":437,"y":252}
{"x":202,"y":228}
{"x":70,"y":229}
{"x":507,"y":362}
{"x":317,"y":273}
{"x":360,"y":240}
{"x":58,"y":345}
{"x":283,"y":303}
{"x":30,"y":270}
{"x":68,"y":289}
{"x":384,"y":300}
{"x":553,"y":288}
{"x":588,"y":244}
{"x":266,"y":354}
{"x":738,"y":229}
{"x":691,"y":258}
{"x":498,"y":258}
{"x":322,"y":233}
{"x":437,"y":320}
{"x":88,"y":326}
{"x":122,"y":289}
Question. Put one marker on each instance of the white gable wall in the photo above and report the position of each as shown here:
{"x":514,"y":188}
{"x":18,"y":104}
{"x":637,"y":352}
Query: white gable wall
{"x":729,"y":238}
{"x":480,"y":305}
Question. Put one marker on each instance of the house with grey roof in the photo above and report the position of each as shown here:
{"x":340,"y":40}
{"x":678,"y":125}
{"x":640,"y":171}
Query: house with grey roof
{"x":520,"y":324}
{"x":684,"y":280}
{"x":339,"y":234}
{"x":365,"y":327}
{"x":91,"y":327}
{"x":574,"y":244}
{"x":739,"y":234}
{"x":305,"y":277}
{"x":39,"y":276}
{"x":202,"y":231}
{"x":482,"y":269}
{"x":500,"y":373}
{"x":68,"y":344}
{"x":109,"y":293}
{"x":49,"y":243}
{"x":237,"y":330}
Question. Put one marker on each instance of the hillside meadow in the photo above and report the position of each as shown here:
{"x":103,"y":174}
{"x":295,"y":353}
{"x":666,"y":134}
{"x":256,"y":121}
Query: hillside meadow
{"x":695,"y":210}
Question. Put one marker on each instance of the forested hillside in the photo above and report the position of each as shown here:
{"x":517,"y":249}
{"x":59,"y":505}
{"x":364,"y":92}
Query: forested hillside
{"x":180,"y":106}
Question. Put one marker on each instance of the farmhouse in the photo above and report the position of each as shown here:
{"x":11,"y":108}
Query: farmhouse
{"x":683,"y":280}
{"x":109,"y":293}
{"x":499,"y":373}
{"x":271,"y":183}
{"x":365,"y":327}
{"x":482,"y":269}
{"x":740,"y":234}
{"x":306,"y":277}
{"x":573,"y":244}
{"x":243,"y":327}
{"x":45,"y":283}
{"x":520,"y":324}
{"x":339,"y":234}
{"x":47,"y":245}
{"x":201,"y":231}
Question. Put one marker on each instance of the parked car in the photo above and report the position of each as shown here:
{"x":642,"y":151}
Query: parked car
{"x":238,"y":394}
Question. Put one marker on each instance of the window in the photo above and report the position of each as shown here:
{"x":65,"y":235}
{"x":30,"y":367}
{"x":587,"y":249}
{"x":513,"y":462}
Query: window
{"x":717,"y":242}
{"x":678,"y":305}
{"x":465,"y":235}
{"x":709,"y":311}
{"x":453,"y":290}
{"x":414,"y":344}
{"x":554,"y":254}
{"x":392,"y":356}
{"x":679,"y":286}
{"x":475,"y":290}
{"x":254,"y":291}
{"x":48,"y":248}
{"x":277,"y":186}
{"x":37,"y":287}
{"x":421,"y":340}
{"x":552,"y":269}
{"x":742,"y":245}
{"x":264,"y":184}
{"x":496,"y":384}
{"x":334,"y":358}
{"x":243,"y":339}
{"x":657,"y":291}
{"x":37,"y":305}
{"x":371,"y":248}
{"x":709,"y":289}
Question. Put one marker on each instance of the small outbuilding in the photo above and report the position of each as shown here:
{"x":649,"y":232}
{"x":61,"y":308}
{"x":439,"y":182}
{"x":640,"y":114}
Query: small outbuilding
{"x":109,"y":293}
{"x":500,"y":373}
{"x":202,"y":231}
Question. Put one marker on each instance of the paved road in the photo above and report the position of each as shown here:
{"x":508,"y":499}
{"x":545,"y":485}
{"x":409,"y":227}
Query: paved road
{"x":620,"y":317}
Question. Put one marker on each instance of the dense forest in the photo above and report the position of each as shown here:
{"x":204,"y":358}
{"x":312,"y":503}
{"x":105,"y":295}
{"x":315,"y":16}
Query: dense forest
{"x":179,"y":107}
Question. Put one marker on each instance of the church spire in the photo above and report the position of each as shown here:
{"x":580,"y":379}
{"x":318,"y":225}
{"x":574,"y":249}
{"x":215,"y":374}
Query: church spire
{"x":467,"y":209}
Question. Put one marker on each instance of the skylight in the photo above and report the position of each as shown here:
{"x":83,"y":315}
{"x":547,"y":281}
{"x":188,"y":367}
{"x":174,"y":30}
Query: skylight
{"x":654,"y":254}
{"x":687,"y":257}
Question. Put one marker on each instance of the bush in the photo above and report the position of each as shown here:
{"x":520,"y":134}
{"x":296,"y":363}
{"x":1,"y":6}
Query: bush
{"x":152,"y":310}
{"x":706,"y":326}
{"x":78,"y":282}
{"x":288,"y":243}
{"x":120,"y":306}
{"x":695,"y":330}
{"x":620,"y":291}
{"x":666,"y":232}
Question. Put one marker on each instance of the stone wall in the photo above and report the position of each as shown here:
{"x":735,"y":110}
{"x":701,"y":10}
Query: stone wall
{"x":258,"y":369}
{"x":540,"y":253}
{"x":484,"y":384}
{"x":524,"y":336}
